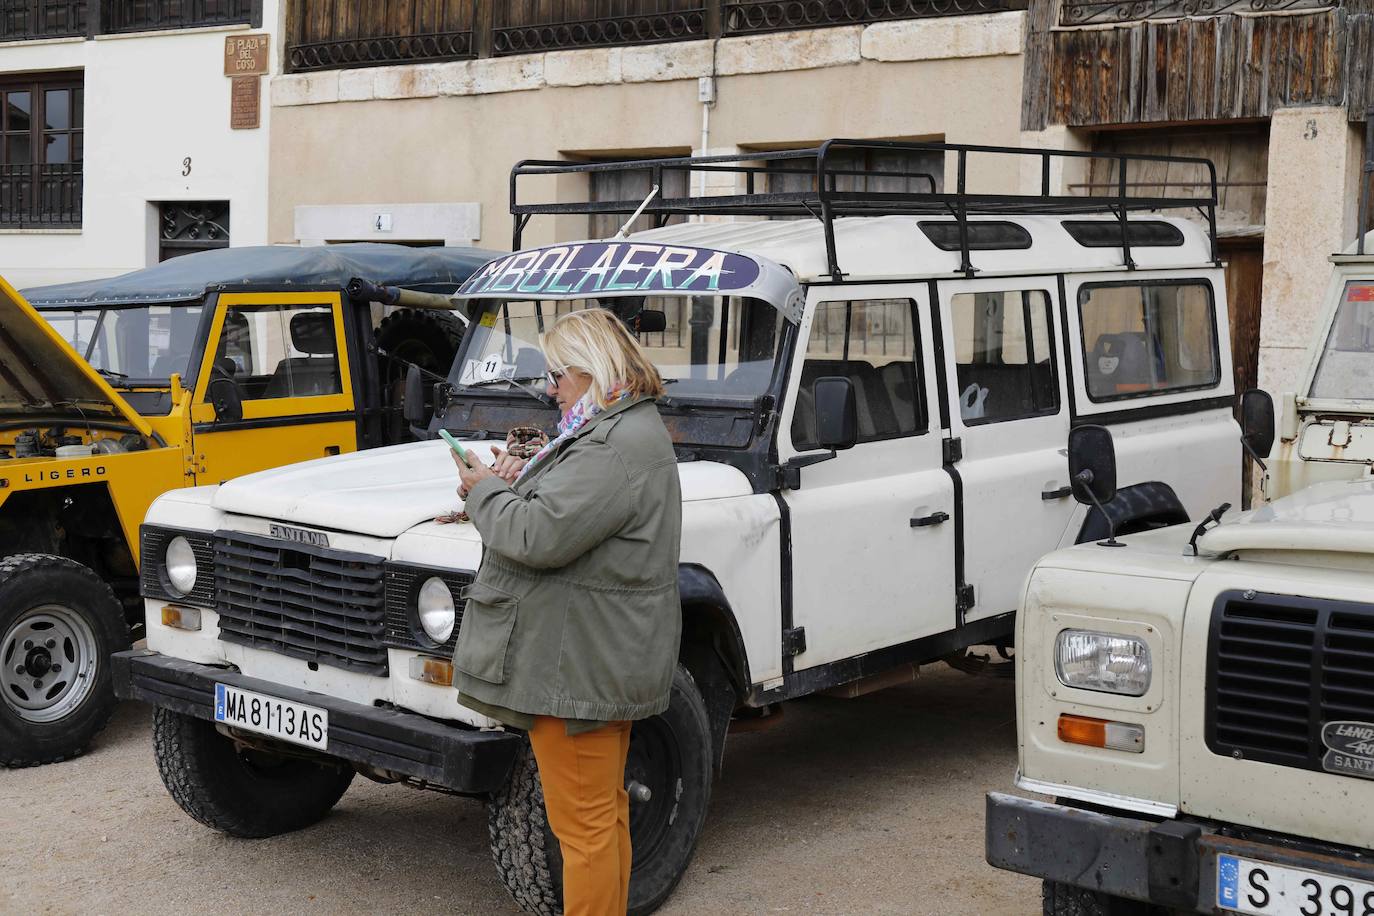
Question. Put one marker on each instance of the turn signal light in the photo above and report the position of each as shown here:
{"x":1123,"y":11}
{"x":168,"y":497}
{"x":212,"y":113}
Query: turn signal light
{"x":181,"y":618}
{"x":1116,"y":736}
{"x":432,"y":671}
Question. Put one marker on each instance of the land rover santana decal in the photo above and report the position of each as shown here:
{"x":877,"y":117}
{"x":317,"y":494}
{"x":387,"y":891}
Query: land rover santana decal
{"x":596,"y":268}
{"x":300,"y":535}
{"x":1349,"y":748}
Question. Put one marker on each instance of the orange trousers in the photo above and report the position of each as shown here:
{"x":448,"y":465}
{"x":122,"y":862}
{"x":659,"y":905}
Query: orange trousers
{"x":589,"y":812}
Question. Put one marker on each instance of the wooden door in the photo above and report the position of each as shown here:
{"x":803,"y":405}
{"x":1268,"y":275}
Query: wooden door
{"x":1244,"y":275}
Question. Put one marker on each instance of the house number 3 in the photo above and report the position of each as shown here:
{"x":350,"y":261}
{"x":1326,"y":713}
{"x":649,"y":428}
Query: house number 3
{"x":186,"y":167}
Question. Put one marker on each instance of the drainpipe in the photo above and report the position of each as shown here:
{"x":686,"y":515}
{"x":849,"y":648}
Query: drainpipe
{"x":706,"y":95}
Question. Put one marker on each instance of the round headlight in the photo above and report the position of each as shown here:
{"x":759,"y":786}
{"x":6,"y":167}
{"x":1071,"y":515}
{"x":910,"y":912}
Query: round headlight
{"x":437,"y":613}
{"x":180,"y":563}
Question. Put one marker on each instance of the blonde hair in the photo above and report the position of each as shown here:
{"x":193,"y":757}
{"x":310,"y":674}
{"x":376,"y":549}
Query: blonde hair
{"x":597,"y":343}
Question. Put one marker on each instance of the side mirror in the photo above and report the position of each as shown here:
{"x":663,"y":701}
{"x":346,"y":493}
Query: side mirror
{"x":413,"y":405}
{"x":1257,"y":423}
{"x":837,"y":416}
{"x":223,"y":394}
{"x":1092,"y":465}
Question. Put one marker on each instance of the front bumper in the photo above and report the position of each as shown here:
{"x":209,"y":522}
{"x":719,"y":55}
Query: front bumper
{"x":1168,"y":863}
{"x":461,"y":759}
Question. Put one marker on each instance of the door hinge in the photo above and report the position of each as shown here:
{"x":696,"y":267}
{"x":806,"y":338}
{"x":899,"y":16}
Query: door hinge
{"x":794,"y":641}
{"x":963,"y":598}
{"x":954,"y":450}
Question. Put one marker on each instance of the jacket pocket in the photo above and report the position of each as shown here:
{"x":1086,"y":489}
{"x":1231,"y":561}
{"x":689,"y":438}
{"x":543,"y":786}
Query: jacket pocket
{"x":484,"y":637}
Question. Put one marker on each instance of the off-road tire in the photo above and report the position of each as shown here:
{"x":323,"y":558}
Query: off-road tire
{"x":1067,"y":900}
{"x":523,"y":846}
{"x":243,"y":793}
{"x":29,"y":583}
{"x":427,"y":338}
{"x":527,"y":854}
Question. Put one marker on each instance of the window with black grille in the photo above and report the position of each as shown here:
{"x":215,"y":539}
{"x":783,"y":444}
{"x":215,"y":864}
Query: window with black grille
{"x":41,"y":150}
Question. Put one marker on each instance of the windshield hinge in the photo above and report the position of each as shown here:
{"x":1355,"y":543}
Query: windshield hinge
{"x":953,"y":450}
{"x":787,"y":476}
{"x":963,"y":600}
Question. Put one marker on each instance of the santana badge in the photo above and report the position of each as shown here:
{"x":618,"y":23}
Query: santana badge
{"x":1349,"y":748}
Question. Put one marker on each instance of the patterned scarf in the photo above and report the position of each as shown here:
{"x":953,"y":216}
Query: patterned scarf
{"x":576,"y":418}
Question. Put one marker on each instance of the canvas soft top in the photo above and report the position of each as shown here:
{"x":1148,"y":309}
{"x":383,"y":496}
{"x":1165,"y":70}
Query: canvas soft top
{"x":271,"y":267}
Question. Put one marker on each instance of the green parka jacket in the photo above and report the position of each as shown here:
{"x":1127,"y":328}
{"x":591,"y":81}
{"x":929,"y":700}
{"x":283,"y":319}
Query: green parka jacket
{"x":574,"y":612}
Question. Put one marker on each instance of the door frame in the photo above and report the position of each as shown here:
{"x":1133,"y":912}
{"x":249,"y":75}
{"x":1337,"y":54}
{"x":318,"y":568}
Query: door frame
{"x":272,"y":412}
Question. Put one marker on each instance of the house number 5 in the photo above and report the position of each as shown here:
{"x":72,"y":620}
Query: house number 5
{"x":186,"y":167}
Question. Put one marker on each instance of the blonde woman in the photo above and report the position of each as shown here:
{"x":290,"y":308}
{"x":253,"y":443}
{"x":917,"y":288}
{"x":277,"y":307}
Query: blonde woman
{"x":572,"y":624}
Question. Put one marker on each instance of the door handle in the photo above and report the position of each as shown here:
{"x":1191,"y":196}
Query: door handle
{"x":1062,"y":492}
{"x":925,"y":521}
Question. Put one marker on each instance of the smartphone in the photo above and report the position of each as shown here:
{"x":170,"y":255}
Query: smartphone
{"x":453,"y":444}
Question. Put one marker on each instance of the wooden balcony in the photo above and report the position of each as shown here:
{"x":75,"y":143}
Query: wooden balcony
{"x":522,"y":26}
{"x":747,"y":17}
{"x":152,"y":15}
{"x":1093,"y":63}
{"x":359,"y":33}
{"x":374,"y":33}
{"x":28,"y":19}
{"x":22,"y":20}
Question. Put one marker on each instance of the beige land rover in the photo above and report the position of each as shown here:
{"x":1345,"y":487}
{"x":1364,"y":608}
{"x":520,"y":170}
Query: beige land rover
{"x":1198,"y":700}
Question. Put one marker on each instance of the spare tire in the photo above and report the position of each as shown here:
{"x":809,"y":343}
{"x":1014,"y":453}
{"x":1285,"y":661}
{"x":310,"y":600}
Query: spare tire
{"x":427,"y":338}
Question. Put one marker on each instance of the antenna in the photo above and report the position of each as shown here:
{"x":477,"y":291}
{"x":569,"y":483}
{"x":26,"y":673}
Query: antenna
{"x":625,"y":229}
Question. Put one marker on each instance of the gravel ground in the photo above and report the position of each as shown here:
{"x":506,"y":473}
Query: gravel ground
{"x":872,"y":805}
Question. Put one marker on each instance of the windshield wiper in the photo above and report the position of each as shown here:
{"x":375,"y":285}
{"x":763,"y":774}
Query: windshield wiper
{"x":111,"y":373}
{"x":518,"y":383}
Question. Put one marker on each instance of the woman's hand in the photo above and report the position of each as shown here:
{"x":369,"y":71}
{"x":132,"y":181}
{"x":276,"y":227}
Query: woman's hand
{"x":469,"y":476}
{"x":507,"y":466}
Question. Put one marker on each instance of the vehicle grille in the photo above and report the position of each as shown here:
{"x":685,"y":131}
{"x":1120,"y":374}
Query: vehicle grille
{"x":307,"y":602}
{"x":402,"y":583}
{"x":153,"y":543}
{"x":1279,"y":667}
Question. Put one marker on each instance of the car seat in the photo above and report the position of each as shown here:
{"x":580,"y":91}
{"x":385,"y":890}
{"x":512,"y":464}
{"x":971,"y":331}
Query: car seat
{"x":1119,"y":364}
{"x":312,"y":333}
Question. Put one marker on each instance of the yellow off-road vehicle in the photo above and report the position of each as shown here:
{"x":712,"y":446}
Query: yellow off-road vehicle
{"x":190,"y":372}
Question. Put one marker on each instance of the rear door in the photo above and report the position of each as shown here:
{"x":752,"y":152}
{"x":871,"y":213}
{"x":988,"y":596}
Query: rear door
{"x":872,"y":533}
{"x":287,"y":355}
{"x":1152,"y":361}
{"x":1011,"y":418}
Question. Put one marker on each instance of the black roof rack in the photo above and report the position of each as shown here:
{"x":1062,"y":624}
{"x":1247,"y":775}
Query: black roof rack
{"x":827,"y":200}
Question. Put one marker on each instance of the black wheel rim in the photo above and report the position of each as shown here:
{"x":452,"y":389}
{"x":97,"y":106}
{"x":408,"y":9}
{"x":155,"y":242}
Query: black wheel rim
{"x":654,"y":761}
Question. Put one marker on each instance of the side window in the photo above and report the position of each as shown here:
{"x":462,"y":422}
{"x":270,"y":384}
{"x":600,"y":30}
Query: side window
{"x":875,"y":344}
{"x":1148,"y":337}
{"x":1004,"y":355}
{"x":279,"y":351}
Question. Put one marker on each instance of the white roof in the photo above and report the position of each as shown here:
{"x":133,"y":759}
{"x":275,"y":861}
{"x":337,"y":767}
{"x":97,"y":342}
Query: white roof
{"x":1333,"y":516}
{"x":884,"y":247}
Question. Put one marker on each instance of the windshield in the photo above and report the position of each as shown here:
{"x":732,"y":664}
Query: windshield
{"x":145,"y":343}
{"x":1346,"y":369}
{"x":711,"y":347}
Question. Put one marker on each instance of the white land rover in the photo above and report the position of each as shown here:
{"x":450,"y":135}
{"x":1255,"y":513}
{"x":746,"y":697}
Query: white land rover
{"x":1201,"y":705}
{"x":870,"y":408}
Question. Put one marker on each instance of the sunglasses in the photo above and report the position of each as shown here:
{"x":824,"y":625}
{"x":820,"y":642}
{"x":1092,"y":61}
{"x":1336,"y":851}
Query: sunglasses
{"x":555,"y":376}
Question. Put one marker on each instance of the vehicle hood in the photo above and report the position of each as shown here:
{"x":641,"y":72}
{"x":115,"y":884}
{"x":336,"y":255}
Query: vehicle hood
{"x":1334,"y":516}
{"x":386,"y":491}
{"x":41,"y":375}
